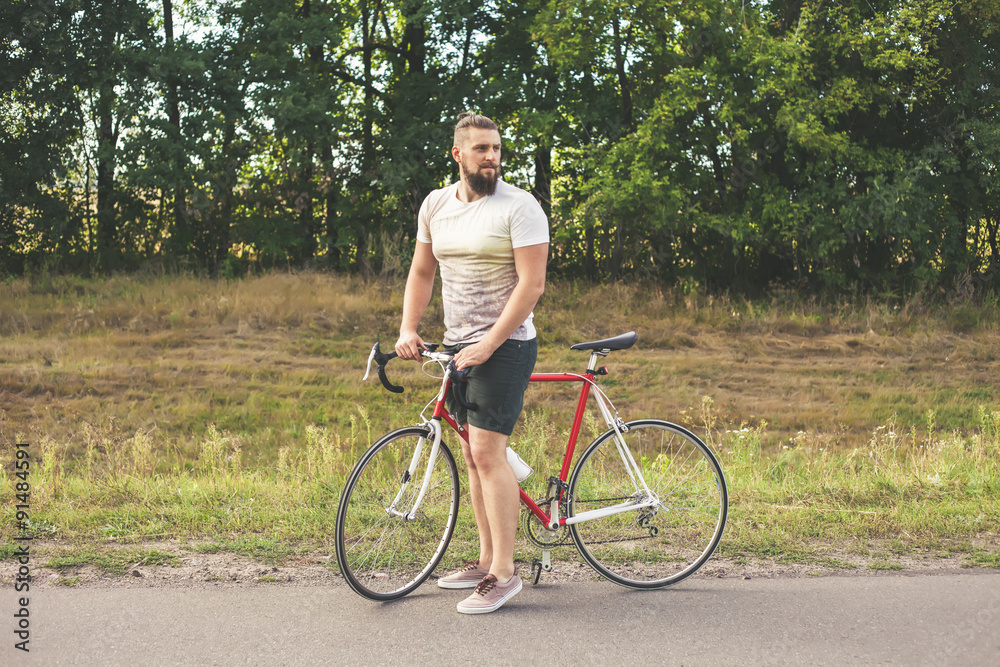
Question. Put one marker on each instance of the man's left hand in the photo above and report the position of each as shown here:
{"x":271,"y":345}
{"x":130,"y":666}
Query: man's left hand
{"x":474,"y":355}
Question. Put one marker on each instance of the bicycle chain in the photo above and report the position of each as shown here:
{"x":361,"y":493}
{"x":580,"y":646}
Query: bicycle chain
{"x":531,"y":525}
{"x":653,"y":530}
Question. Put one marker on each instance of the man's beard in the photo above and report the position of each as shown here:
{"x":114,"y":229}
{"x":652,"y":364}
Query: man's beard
{"x":481,"y":184}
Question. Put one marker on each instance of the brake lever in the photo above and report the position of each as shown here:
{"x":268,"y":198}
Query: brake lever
{"x":368,"y":368}
{"x":381,"y":359}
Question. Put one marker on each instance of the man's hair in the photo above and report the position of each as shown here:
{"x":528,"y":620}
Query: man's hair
{"x":467,"y":120}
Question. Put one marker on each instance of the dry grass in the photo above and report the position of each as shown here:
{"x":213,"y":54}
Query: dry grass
{"x":267,"y":357}
{"x":173,"y":357}
{"x":901,"y":491}
{"x":190,"y":408}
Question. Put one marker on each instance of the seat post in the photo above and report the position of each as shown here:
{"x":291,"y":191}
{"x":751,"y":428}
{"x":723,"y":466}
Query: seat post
{"x":594,"y":355}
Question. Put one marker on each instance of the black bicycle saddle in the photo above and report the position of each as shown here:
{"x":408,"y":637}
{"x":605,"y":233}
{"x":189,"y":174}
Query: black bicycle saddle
{"x":621,"y":342}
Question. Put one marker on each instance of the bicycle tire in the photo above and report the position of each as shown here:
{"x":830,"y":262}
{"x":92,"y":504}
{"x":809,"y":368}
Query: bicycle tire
{"x":383,"y":556}
{"x":658,"y":546}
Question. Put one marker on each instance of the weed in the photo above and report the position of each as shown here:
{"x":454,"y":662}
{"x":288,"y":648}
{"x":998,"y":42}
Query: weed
{"x":884,"y":566}
{"x":836,"y":563}
{"x":983,"y":559}
{"x":231,"y":409}
{"x":10,"y":551}
{"x":267,"y":550}
{"x":111,"y":561}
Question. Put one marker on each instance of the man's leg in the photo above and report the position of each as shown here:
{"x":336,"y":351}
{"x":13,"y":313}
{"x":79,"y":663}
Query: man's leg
{"x":478,"y":509}
{"x":495,"y":500}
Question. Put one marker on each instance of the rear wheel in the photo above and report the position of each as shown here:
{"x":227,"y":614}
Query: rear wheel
{"x":655,"y":546}
{"x":382,"y":552}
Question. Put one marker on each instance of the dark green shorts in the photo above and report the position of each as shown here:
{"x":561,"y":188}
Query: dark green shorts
{"x":497,"y":386}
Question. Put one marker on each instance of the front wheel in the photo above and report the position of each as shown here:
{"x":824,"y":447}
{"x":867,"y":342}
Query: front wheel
{"x":686,"y":504}
{"x":383,"y":552}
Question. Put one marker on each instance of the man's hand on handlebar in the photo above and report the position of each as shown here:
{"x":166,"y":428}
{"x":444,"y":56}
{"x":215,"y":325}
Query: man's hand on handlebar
{"x":428,"y":350}
{"x":409,"y":346}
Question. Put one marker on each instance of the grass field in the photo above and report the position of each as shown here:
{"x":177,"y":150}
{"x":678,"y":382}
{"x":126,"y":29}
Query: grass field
{"x":227,"y":413}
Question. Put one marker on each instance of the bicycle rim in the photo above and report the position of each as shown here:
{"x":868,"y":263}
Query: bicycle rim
{"x":660,"y":545}
{"x":383,"y":555}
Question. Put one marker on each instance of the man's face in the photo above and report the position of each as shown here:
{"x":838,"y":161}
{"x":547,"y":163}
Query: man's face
{"x":479,"y":158}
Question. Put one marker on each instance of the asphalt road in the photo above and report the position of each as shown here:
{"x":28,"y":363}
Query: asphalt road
{"x":951,"y":619}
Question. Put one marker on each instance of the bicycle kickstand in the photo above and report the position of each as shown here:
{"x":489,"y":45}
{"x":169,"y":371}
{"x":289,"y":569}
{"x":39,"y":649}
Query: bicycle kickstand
{"x":538,"y":565}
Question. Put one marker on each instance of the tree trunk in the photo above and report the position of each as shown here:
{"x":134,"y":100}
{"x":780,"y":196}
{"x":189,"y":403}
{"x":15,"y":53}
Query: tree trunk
{"x":623,"y":83}
{"x":181,"y":237}
{"x":365,"y":221}
{"x":223,"y":194}
{"x":543,"y":178}
{"x":367,"y":140}
{"x":589,"y":261}
{"x":306,"y":209}
{"x":330,"y":214}
{"x":414,"y":38}
{"x":108,"y":250}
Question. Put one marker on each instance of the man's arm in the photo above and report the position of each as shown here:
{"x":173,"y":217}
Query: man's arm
{"x":416,"y":297}
{"x":529,"y":262}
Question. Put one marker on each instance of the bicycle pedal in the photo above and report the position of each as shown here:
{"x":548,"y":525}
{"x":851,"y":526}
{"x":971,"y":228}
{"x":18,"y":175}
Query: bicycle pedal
{"x":536,"y":571}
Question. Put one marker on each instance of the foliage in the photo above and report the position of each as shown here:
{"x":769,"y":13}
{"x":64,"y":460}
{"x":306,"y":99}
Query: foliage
{"x":848,"y":146}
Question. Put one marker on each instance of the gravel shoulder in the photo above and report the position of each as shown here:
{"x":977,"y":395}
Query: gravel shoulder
{"x":188,"y":567}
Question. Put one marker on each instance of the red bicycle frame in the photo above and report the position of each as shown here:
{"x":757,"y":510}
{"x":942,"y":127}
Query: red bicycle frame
{"x":587,"y":379}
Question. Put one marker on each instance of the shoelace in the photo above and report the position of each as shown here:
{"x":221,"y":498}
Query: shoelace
{"x":486,"y":585}
{"x":470,"y":565}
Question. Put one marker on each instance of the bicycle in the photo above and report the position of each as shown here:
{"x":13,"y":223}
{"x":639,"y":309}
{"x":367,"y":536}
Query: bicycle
{"x":646,"y":503}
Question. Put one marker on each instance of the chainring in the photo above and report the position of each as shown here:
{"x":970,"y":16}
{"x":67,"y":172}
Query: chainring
{"x":538,"y":534}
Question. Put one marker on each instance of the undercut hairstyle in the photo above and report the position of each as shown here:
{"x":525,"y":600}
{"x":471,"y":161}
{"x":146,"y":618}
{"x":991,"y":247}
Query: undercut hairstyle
{"x":467,"y":120}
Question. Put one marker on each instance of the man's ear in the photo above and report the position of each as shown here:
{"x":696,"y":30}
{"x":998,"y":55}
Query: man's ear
{"x":456,"y":153}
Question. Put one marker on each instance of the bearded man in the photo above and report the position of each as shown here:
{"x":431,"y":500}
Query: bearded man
{"x":491,"y":241}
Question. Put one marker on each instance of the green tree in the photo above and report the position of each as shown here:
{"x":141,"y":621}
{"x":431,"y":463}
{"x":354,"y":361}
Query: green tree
{"x":111,"y":36}
{"x":847,"y":145}
{"x":39,"y":123}
{"x":781,"y":141}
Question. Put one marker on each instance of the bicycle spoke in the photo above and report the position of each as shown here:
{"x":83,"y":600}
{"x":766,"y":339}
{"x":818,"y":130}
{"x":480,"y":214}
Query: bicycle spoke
{"x":649,"y":547}
{"x":385,"y":556}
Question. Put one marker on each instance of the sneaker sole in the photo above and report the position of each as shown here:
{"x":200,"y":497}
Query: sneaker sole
{"x":499,"y":603}
{"x":458,"y":584}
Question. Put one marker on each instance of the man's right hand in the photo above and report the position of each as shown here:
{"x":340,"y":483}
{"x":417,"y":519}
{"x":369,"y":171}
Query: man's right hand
{"x":409,"y":345}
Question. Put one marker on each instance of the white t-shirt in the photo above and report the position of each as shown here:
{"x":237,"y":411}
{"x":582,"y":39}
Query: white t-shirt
{"x":474,"y":246}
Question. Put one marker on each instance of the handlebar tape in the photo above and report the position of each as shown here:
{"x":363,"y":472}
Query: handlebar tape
{"x":381,"y":359}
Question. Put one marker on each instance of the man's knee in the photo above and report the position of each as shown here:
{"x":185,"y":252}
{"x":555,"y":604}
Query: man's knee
{"x":486,"y":451}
